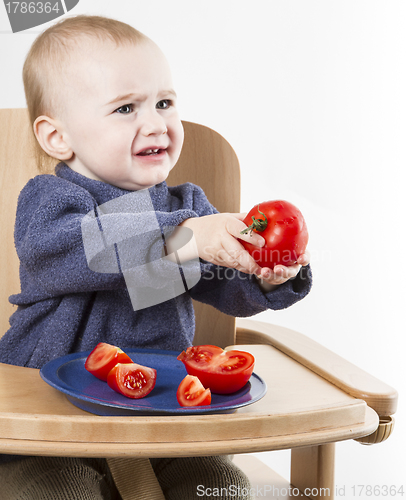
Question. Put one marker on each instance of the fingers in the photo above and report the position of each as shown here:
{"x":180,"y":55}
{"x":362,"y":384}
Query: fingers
{"x":304,"y":259}
{"x":240,"y":215}
{"x":235,"y":256}
{"x":279,"y":274}
{"x":234,"y":226}
{"x":219,"y":241}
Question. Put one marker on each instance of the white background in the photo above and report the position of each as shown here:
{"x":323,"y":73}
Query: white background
{"x":311,"y":95}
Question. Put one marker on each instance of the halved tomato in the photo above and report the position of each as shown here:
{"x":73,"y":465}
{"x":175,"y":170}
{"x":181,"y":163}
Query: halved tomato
{"x":223,"y":372}
{"x":132,"y":380}
{"x":103,"y":358}
{"x":192,"y":393}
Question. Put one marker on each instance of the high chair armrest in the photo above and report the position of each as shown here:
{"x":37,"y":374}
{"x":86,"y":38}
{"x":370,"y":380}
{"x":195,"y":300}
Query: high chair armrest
{"x":345,"y":375}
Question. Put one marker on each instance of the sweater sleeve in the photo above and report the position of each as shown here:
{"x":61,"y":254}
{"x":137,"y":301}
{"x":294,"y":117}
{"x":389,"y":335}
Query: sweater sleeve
{"x":239,"y":294}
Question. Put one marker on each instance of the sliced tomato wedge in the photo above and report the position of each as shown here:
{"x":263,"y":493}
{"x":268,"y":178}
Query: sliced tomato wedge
{"x":192,"y":393}
{"x":223,"y":372}
{"x":132,"y":380}
{"x":103,"y":358}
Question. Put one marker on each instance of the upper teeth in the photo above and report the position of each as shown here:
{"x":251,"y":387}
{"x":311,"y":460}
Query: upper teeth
{"x":149,"y":151}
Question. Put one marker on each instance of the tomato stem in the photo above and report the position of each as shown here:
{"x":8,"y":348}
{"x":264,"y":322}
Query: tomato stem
{"x":258,"y":225}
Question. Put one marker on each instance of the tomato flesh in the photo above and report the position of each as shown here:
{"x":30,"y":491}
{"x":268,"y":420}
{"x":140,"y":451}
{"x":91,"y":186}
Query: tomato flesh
{"x":192,"y":393}
{"x":286,"y":234}
{"x":103,"y":358}
{"x":223,"y":372}
{"x":132,"y":380}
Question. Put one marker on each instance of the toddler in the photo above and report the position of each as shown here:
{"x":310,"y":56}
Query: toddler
{"x":102,"y":102}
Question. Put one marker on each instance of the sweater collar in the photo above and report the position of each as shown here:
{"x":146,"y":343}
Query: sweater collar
{"x":103,"y":192}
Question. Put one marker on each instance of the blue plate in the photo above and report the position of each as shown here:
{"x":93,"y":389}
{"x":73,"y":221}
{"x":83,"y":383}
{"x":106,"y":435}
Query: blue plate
{"x":68,"y":375}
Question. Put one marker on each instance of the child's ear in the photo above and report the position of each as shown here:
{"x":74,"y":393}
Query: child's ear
{"x":49,"y":134}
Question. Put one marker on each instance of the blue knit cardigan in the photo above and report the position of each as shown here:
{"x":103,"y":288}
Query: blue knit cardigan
{"x":66,"y":307}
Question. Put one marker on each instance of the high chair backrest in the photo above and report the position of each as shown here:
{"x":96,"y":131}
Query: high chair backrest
{"x":207,"y":160}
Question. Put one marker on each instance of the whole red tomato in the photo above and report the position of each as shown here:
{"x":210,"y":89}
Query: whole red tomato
{"x":284,"y":229}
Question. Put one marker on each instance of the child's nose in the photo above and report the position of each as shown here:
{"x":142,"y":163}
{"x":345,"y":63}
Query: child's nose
{"x":153,"y":124}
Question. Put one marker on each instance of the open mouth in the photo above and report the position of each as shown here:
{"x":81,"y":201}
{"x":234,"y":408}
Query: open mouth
{"x":150,"y":152}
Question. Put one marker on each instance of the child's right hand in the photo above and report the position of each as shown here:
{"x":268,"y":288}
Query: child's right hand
{"x":216,"y":237}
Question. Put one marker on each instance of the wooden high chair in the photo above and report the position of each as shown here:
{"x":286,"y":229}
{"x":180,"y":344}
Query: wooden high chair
{"x":314,"y":398}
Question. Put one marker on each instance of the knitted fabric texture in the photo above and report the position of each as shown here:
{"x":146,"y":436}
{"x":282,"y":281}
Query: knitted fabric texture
{"x":57,"y":478}
{"x":201,"y":477}
{"x":60,"y":478}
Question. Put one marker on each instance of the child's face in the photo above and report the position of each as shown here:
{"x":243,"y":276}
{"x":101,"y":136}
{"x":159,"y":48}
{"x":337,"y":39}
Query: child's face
{"x":120,"y":117}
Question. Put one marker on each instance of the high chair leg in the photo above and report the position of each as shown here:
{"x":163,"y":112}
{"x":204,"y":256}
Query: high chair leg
{"x":312,"y":470}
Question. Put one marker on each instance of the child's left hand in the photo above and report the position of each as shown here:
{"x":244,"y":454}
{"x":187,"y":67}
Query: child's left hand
{"x":268,"y":279}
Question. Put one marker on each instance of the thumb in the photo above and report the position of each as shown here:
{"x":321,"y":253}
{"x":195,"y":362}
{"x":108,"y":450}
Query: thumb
{"x":240,"y":215}
{"x":250,"y":237}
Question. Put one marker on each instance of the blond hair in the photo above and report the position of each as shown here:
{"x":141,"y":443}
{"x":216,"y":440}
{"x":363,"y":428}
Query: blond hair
{"x":51,"y":52}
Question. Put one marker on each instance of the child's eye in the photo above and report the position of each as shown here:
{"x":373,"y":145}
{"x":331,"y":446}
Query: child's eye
{"x":164,"y":104}
{"x":125,"y":109}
